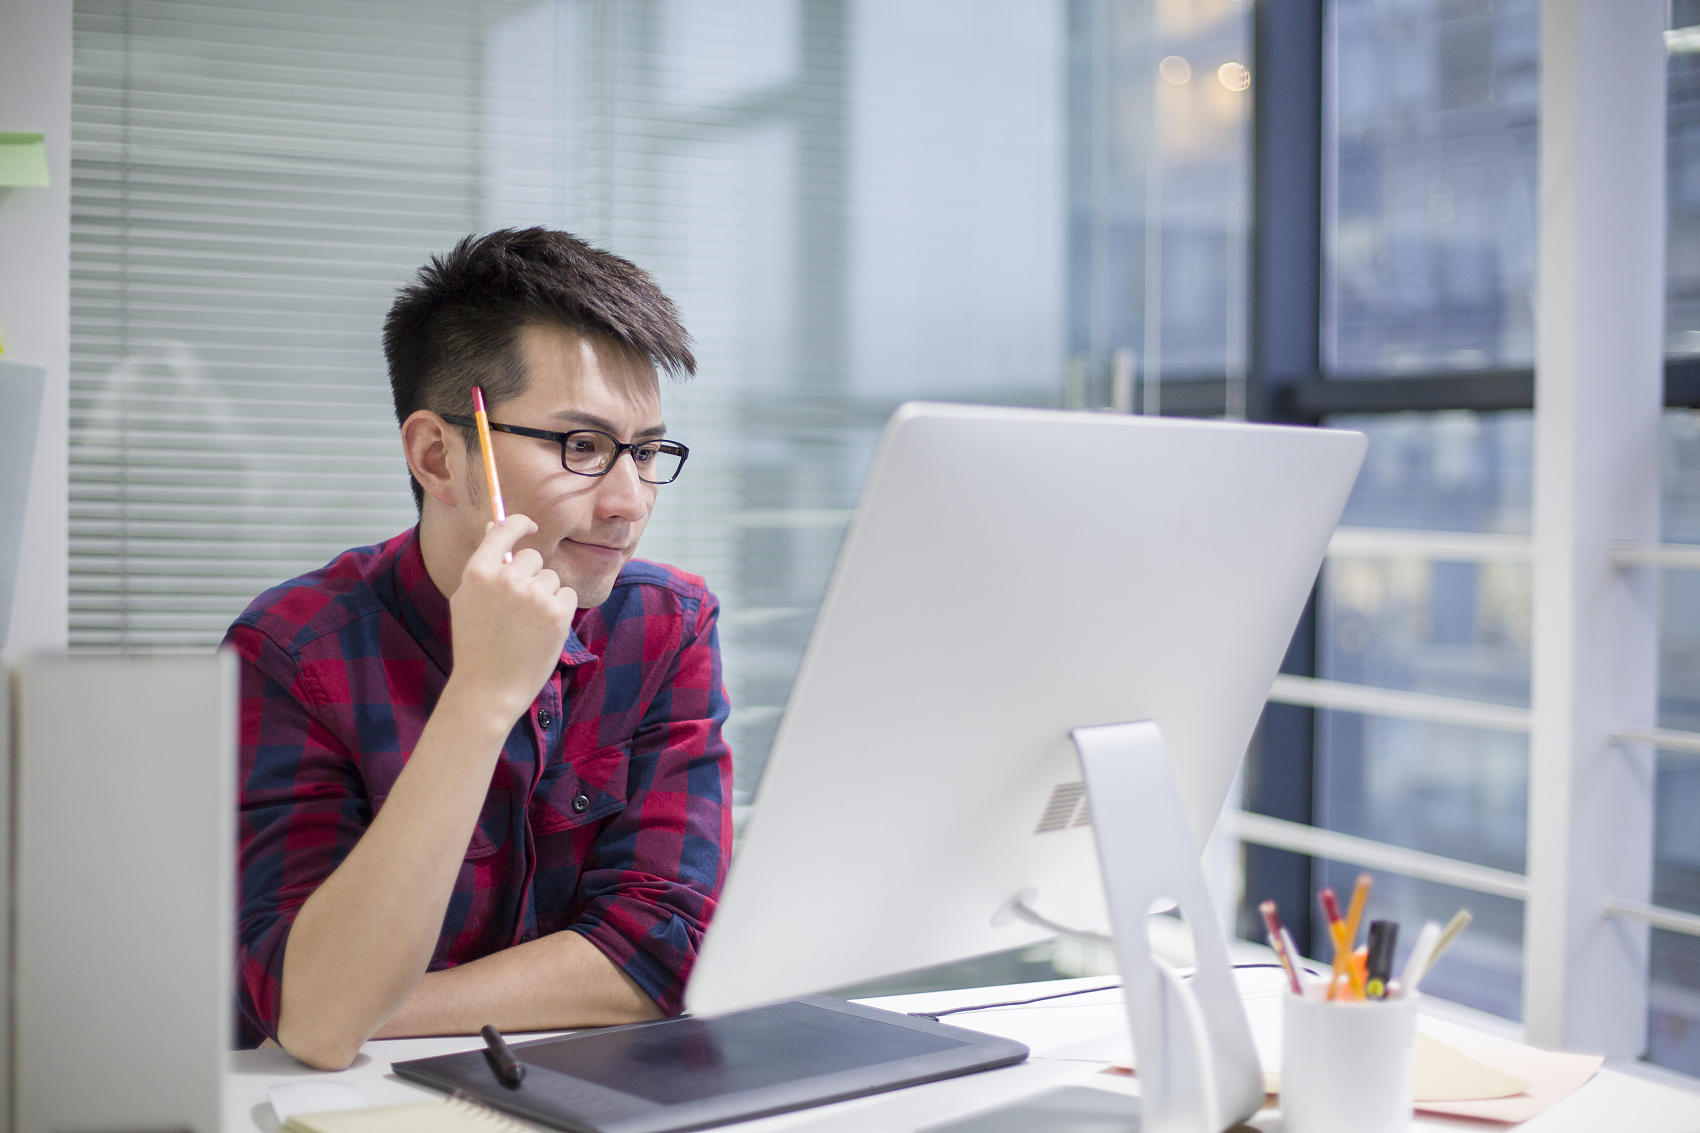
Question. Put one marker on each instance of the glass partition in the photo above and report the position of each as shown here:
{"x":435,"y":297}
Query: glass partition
{"x":1160,"y":97}
{"x":1429,"y":167}
{"x":1673,"y":1025}
{"x":1456,"y":629}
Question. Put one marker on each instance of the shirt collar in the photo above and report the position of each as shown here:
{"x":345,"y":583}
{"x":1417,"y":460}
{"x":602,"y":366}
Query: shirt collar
{"x":426,"y":611}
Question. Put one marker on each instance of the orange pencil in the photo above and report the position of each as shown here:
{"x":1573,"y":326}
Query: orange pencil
{"x":497,"y":510}
{"x":1354,"y":918}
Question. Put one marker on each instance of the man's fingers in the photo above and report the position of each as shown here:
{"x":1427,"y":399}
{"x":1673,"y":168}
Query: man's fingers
{"x":499,"y":540}
{"x":527,"y":563}
{"x":547,"y":581}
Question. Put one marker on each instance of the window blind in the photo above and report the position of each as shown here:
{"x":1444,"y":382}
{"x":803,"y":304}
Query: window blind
{"x":811,"y":180}
{"x":249,"y":185}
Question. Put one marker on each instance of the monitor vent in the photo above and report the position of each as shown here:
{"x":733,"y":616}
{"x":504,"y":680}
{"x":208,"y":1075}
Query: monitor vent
{"x":1065,"y":799}
{"x":1084,"y":818}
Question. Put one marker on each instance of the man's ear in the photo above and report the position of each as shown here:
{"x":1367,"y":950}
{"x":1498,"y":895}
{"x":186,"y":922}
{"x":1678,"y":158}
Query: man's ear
{"x":436,"y":455}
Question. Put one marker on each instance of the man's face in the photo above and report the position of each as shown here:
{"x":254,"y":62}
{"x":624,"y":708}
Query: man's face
{"x":587,"y":526}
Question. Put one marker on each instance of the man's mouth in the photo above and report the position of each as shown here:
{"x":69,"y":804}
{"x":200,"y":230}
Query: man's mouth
{"x":597,"y":548}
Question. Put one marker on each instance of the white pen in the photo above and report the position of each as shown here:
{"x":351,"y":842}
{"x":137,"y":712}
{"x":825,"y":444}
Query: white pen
{"x":1454,"y":928}
{"x":1416,"y":965}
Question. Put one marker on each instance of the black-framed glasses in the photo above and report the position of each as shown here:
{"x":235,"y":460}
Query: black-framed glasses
{"x":591,"y":452}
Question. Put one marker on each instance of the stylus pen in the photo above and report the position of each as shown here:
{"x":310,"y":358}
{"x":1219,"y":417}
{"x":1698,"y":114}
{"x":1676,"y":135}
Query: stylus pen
{"x":498,"y":510}
{"x":509,"y":1070}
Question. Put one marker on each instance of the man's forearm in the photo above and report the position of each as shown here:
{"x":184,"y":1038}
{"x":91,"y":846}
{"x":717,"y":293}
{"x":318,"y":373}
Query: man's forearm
{"x":361,"y":942}
{"x":552,"y":983}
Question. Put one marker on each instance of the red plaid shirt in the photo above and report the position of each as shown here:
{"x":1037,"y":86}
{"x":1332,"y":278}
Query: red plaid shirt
{"x":608,"y":813}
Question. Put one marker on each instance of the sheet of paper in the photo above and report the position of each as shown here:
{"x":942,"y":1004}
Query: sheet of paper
{"x":1446,"y":1074}
{"x":443,"y":1115}
{"x":23,"y":160}
{"x":313,"y":1095}
{"x":1552,"y":1077}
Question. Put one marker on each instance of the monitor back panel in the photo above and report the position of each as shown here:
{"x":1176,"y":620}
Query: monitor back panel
{"x":1010,"y":575}
{"x":123,"y":927}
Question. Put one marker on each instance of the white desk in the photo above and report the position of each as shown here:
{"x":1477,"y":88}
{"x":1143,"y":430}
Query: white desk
{"x":1073,"y":1040}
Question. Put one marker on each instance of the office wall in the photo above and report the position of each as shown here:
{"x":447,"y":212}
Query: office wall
{"x":35,"y":237}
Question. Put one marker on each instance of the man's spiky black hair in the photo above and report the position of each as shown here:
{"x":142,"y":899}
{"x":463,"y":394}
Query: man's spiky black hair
{"x":458,"y":325}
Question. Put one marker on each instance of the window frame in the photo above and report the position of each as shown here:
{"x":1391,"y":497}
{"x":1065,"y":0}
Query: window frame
{"x":1287,"y":384}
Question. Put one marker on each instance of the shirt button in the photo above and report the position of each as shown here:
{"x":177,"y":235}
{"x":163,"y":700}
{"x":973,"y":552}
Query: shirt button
{"x":544,"y":719}
{"x":581,"y":803}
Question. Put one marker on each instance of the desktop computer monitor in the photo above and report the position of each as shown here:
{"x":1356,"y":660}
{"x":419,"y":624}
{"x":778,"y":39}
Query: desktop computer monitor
{"x":1010,"y":575}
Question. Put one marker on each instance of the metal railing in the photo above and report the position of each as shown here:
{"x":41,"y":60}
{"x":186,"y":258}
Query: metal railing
{"x":1340,"y":696}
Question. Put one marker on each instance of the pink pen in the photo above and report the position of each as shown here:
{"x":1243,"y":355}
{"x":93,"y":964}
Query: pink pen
{"x":1336,"y":933}
{"x":1278,"y":941}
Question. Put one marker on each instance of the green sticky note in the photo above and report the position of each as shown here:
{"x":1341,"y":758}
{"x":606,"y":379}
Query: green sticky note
{"x":23,"y":160}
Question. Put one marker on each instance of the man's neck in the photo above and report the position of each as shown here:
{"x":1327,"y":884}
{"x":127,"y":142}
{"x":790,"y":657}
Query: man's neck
{"x":445,"y":556}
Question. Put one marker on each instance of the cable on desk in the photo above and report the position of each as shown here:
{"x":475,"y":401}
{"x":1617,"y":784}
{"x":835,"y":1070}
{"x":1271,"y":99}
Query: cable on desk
{"x":935,"y":1016}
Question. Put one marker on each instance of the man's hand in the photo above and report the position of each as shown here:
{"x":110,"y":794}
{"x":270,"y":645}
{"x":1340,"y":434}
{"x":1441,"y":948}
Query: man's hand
{"x":510,"y":620}
{"x":361,"y":942}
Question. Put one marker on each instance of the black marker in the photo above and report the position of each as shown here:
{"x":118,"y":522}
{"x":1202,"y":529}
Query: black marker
{"x":509,"y":1070}
{"x":1383,"y":935}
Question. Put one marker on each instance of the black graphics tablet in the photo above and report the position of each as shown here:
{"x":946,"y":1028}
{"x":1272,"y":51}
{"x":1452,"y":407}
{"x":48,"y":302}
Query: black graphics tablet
{"x":690,"y":1073}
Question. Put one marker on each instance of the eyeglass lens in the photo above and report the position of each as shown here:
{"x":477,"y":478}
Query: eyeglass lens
{"x":590,"y":454}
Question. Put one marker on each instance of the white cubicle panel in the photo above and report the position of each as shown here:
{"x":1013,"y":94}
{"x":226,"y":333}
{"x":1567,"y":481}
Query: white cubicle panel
{"x":7,"y":736}
{"x":20,"y":411}
{"x":124,"y":824}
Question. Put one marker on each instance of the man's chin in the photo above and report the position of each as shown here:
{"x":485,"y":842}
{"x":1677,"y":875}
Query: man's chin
{"x":592,"y":591}
{"x":590,"y":599}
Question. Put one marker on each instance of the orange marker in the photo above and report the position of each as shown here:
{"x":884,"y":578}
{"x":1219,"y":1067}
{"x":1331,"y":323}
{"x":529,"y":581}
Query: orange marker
{"x":496,"y":508}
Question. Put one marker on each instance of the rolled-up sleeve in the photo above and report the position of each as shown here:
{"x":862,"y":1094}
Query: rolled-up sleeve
{"x":301,"y":808}
{"x":653,"y":875}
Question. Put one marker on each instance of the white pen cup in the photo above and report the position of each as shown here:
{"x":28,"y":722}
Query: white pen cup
{"x":1346,"y":1066}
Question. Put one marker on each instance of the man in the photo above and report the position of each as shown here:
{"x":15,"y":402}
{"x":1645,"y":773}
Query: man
{"x":477,"y":789}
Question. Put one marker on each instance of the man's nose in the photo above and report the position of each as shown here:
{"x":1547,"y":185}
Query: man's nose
{"x":621,"y":494}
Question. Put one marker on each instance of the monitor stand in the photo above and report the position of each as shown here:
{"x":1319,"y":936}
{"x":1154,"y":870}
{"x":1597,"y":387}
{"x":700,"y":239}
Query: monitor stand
{"x":1197,"y":1066}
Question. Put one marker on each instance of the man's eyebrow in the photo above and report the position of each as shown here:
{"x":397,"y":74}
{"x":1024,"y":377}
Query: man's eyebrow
{"x":592,"y":421}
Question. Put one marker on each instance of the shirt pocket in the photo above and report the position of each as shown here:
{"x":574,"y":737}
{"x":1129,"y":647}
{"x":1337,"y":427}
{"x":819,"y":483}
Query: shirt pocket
{"x":584,"y":792}
{"x":566,"y":830}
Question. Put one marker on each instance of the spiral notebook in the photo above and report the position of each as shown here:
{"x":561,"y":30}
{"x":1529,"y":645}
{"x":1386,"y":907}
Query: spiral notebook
{"x":457,"y":1114}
